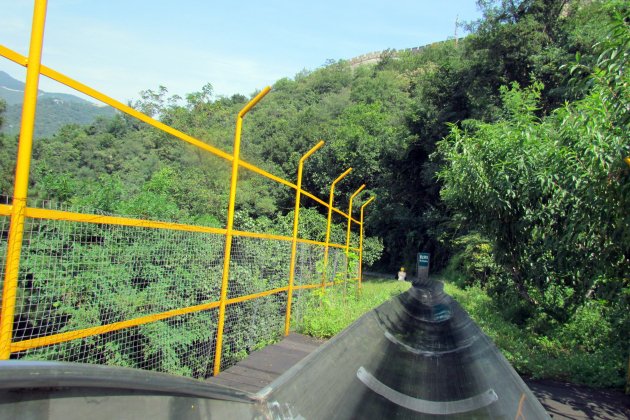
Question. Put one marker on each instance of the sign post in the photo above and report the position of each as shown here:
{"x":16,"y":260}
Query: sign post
{"x":423,"y":268}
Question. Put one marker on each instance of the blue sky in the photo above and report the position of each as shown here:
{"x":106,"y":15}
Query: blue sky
{"x":121,"y":47}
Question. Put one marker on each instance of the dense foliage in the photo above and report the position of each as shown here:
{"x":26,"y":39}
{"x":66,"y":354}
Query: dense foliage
{"x":544,"y":204}
{"x":54,"y":109}
{"x":54,"y":113}
{"x":326,"y":314}
{"x":579,"y":351}
{"x":524,"y":120}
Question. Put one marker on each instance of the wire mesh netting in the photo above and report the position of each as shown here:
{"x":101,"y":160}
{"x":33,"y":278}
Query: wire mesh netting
{"x":251,"y":325}
{"x":300,"y":303}
{"x":128,"y":296}
{"x":75,"y":276}
{"x":257,"y":265}
{"x":353,"y":265}
{"x":308,"y":264}
{"x":180,"y":345}
{"x":336,"y":265}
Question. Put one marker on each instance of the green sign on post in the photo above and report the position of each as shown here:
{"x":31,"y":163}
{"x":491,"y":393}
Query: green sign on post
{"x":423,"y":267}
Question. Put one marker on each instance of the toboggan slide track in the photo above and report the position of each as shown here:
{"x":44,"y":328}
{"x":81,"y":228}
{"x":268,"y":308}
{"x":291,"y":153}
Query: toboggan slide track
{"x":418,"y":355}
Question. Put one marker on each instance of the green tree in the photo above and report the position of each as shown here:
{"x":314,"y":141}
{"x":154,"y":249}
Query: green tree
{"x":8,"y":155}
{"x":3,"y":108}
{"x":551,"y":193}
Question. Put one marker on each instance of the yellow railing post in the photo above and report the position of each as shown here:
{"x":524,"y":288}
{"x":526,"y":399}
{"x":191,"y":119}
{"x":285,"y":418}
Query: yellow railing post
{"x":328,"y":222}
{"x":361,"y":242}
{"x":230,"y":226}
{"x":20,"y":191}
{"x":296,"y":221}
{"x":357,"y":192}
{"x":352,"y":197}
{"x":350,"y":215}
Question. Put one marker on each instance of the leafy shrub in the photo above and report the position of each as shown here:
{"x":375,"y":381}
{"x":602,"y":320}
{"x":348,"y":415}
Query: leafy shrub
{"x":473,"y":259}
{"x":372,"y":250}
{"x":329,"y":311}
{"x":551,"y":195}
{"x":586,"y":350}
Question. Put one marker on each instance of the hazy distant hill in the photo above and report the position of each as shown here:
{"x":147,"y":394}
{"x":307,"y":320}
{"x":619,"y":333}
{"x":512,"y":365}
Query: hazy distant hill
{"x":53,"y":109}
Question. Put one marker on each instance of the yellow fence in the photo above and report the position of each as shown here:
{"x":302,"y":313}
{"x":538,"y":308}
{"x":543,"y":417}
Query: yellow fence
{"x":79,"y":286}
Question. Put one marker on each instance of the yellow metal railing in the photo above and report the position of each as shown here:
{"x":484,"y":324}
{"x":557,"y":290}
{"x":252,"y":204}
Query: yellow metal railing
{"x":20,"y":215}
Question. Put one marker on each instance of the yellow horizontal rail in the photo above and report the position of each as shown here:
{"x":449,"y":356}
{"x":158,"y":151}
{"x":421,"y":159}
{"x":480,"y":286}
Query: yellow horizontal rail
{"x":309,"y":286}
{"x":103,"y":329}
{"x":262,"y":235}
{"x":313,"y":286}
{"x":35,"y":213}
{"x":68,"y":216}
{"x":257,"y":295}
{"x":284,"y":238}
{"x":325,"y":204}
{"x":63,"y":79}
{"x":13,"y":56}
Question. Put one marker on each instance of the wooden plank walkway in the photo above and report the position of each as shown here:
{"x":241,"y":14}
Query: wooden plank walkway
{"x":263,"y":366}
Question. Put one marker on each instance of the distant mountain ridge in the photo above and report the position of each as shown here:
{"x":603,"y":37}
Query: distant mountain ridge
{"x":54,"y":110}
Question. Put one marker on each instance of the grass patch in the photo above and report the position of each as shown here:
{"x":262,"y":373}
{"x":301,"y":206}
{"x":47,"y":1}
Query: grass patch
{"x":539,"y":356}
{"x":329,"y":312}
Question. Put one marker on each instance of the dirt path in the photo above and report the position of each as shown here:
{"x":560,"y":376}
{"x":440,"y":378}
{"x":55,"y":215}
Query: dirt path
{"x":568,"y":401}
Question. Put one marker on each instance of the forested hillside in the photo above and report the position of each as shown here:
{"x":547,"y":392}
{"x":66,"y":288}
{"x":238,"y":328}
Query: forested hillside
{"x":55,"y":109}
{"x":501,"y":154}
